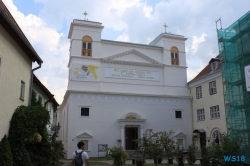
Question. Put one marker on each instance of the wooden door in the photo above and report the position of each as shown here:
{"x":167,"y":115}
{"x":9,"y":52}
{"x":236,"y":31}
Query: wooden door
{"x":131,"y":134}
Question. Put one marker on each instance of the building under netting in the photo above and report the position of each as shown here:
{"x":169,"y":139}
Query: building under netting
{"x":234,"y":45}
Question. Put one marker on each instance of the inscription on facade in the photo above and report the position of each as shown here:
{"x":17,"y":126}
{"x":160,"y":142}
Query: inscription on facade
{"x":132,"y":74}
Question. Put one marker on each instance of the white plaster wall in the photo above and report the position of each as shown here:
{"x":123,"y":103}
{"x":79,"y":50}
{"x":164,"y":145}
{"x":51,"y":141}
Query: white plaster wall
{"x":173,"y":80}
{"x":102,"y":123}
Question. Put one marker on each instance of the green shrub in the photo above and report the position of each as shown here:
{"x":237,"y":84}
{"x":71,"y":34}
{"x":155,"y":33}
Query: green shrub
{"x":26,"y":123}
{"x":205,"y":156}
{"x":190,"y":155}
{"x":6,"y":157}
{"x":57,"y":151}
{"x":119,"y":155}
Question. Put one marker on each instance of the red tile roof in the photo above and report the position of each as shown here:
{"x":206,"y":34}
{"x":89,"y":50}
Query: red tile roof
{"x":11,"y":26}
{"x":205,"y":71}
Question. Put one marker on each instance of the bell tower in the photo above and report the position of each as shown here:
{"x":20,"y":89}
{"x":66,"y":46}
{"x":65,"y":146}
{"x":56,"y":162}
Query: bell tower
{"x":85,"y":37}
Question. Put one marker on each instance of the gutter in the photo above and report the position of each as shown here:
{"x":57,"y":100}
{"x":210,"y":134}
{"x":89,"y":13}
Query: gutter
{"x":31,"y":81}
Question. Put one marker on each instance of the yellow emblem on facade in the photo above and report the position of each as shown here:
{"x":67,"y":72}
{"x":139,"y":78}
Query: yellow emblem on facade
{"x":85,"y":70}
{"x":92,"y":69}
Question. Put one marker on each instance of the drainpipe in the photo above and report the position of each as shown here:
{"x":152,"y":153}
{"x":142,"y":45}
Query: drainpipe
{"x":31,"y":81}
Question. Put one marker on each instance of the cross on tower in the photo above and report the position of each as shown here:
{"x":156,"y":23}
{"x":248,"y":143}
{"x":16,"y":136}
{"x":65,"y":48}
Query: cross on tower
{"x":85,"y":14}
{"x":165,"y":26}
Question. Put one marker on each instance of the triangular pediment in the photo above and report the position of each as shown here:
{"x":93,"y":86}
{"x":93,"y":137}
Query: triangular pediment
{"x":84,"y":135}
{"x":180,"y":135}
{"x":132,"y":57}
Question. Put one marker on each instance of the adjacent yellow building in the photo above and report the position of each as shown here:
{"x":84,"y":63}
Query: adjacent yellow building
{"x":209,"y":120}
{"x":16,"y":57}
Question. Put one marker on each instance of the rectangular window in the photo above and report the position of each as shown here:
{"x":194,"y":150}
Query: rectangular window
{"x":200,"y":114}
{"x":180,"y":143}
{"x":85,"y":144}
{"x":212,"y":88}
{"x":215,"y":112}
{"x":86,"y":49}
{"x":84,"y":45}
{"x":22,"y":89}
{"x":178,"y":114}
{"x":174,"y":58}
{"x":84,"y":111}
{"x":198,"y":92}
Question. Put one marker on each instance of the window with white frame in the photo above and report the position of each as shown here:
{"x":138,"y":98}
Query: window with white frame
{"x":216,"y":136}
{"x":178,"y":114}
{"x":212,"y":88}
{"x":215,"y":112}
{"x":84,"y":111}
{"x":22,"y":90}
{"x":200,"y":114}
{"x":198,"y":92}
{"x":85,"y":144}
{"x":180,"y":143}
{"x":174,"y":56}
{"x":87,"y":46}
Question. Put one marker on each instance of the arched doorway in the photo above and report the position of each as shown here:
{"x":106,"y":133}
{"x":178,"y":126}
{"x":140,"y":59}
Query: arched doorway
{"x":202,"y":137}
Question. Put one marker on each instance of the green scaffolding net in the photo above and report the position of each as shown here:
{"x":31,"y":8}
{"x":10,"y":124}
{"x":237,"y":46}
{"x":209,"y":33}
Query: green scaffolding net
{"x":234,"y":47}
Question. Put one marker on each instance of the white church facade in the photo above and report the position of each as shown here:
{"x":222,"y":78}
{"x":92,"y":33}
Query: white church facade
{"x":117,"y":90}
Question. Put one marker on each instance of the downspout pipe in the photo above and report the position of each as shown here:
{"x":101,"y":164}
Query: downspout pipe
{"x":31,"y":81}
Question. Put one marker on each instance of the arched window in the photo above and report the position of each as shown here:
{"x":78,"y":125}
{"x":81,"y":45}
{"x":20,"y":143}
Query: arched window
{"x":86,"y":46}
{"x":174,"y":56}
{"x":216,"y":137}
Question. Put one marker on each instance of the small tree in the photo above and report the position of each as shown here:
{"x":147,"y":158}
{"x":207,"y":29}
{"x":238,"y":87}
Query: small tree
{"x":205,"y":156}
{"x":167,"y":143}
{"x":155,"y":150}
{"x":191,"y":149}
{"x":57,"y":146}
{"x":119,"y":155}
{"x":6,"y":157}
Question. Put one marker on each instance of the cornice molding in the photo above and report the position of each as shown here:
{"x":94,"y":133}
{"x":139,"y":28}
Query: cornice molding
{"x":116,"y":98}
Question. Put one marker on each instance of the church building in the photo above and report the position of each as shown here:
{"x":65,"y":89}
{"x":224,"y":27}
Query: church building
{"x":118,"y":90}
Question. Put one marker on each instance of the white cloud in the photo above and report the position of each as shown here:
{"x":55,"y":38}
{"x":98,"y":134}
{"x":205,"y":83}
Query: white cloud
{"x":138,"y":22}
{"x":123,"y":37}
{"x":49,"y":45}
{"x":195,"y":43}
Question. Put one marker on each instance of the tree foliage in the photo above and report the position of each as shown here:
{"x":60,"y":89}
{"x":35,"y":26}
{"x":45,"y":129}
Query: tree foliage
{"x":6,"y":157}
{"x":119,"y":155}
{"x":168,"y":144}
{"x":216,"y":152}
{"x":155,"y":145}
{"x":191,"y":149}
{"x":25,"y":123}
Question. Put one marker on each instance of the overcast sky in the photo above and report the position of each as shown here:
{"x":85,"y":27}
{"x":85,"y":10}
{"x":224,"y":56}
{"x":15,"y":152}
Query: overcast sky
{"x":46,"y":24}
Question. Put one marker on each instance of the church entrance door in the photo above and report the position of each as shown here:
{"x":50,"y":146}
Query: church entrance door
{"x":131,"y":134}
